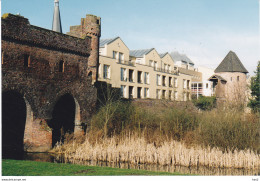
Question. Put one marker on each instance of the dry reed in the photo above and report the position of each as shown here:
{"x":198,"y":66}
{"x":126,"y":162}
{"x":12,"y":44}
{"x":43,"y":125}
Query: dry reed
{"x":136,"y":150}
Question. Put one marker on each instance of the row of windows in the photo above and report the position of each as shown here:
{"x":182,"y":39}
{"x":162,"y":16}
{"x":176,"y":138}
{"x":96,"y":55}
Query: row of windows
{"x":161,"y":80}
{"x":161,"y":94}
{"x":186,"y":84}
{"x":141,"y":92}
{"x":118,"y":55}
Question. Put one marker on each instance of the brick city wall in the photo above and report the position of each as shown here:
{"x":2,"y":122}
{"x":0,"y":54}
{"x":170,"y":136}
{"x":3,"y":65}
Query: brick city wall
{"x":42,"y":82}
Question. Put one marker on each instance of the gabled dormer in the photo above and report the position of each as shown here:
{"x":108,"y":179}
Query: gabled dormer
{"x":114,"y":48}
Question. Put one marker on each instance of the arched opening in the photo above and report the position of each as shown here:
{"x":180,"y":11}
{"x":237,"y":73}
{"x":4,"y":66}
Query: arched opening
{"x":63,"y":118}
{"x":13,"y":124}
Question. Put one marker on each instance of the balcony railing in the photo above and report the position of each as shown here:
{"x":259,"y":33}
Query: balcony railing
{"x":124,"y":62}
{"x":174,"y":72}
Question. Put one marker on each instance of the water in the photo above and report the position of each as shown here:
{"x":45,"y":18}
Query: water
{"x":46,"y":157}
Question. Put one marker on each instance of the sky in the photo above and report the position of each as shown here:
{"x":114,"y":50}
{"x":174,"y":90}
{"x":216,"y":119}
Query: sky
{"x":204,"y":30}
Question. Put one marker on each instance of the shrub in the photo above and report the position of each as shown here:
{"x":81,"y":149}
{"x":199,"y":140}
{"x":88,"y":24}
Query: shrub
{"x":229,"y":130}
{"x":205,"y":103}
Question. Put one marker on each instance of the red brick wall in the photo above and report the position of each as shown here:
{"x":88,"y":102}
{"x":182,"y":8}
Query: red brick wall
{"x":41,"y":83}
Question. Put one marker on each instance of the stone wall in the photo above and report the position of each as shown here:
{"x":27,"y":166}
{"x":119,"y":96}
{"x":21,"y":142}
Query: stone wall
{"x":234,"y":90}
{"x":31,"y":65}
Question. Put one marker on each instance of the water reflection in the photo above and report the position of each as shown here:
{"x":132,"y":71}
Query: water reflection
{"x":45,"y":157}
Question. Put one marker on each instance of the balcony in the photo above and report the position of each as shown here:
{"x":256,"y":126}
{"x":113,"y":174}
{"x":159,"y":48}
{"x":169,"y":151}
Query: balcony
{"x":124,"y":62}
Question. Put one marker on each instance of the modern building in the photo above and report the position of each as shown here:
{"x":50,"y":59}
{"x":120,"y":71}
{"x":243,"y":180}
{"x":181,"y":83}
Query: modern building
{"x":230,"y":80}
{"x":204,"y":87}
{"x":144,"y":73}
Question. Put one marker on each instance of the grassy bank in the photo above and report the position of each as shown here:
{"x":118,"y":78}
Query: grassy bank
{"x":168,"y":133}
{"x":32,"y":168}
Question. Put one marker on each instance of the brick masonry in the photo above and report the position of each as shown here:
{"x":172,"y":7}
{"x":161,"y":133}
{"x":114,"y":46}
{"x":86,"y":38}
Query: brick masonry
{"x":43,"y":82}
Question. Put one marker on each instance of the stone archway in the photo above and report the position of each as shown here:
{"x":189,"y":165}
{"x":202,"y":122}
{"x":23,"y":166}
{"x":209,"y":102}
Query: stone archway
{"x":65,"y":118}
{"x":16,"y":113}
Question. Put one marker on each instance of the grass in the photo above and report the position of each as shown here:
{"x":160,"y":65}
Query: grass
{"x":33,"y":168}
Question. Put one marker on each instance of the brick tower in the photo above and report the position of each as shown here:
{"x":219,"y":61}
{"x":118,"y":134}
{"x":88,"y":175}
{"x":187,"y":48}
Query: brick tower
{"x":90,"y":26}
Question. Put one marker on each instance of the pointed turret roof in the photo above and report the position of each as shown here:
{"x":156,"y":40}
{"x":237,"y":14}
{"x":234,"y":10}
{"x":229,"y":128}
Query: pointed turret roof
{"x":231,"y":63}
{"x":56,"y":24}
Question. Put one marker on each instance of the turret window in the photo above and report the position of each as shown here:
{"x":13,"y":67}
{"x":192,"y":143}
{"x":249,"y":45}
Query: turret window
{"x":237,"y":78}
{"x":3,"y":54}
{"x":27,"y":61}
{"x":61,"y":66}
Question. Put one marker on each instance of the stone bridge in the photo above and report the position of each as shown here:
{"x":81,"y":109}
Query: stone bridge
{"x":47,"y":83}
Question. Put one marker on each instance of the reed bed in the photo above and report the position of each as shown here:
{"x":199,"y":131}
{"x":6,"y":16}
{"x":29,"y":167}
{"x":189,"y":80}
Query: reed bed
{"x":134,"y":149}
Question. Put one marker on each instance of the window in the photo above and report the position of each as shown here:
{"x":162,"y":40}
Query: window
{"x":106,"y":72}
{"x":146,"y":92}
{"x":237,"y":78}
{"x":123,"y":89}
{"x":121,"y":57}
{"x":184,"y":84}
{"x":188,"y":96}
{"x":165,"y":67}
{"x":164,"y":80}
{"x":131,"y":75}
{"x":158,"y":79}
{"x":175,"y":82}
{"x":155,"y":65}
{"x":3,"y":54}
{"x":27,"y":61}
{"x":61,"y":66}
{"x":139,"y":77}
{"x":123,"y":74}
{"x":146,"y":78}
{"x":163,"y":94}
{"x":188,"y":84}
{"x":207,"y":85}
{"x":131,"y":92}
{"x":231,"y":78}
{"x":114,"y":55}
{"x":139,"y":92}
{"x":170,"y":81}
{"x":184,"y":96}
{"x":150,"y":63}
{"x":175,"y":95}
{"x":169,"y":66}
{"x":170,"y":95}
{"x":158,"y":94}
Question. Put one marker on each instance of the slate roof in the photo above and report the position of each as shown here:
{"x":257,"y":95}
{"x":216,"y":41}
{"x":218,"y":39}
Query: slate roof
{"x":176,"y":56}
{"x":140,"y":53}
{"x":231,"y":63}
{"x":162,"y":54}
{"x":104,"y":42}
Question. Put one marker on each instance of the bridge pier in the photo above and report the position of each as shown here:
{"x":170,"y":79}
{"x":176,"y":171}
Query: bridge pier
{"x":38,"y":136}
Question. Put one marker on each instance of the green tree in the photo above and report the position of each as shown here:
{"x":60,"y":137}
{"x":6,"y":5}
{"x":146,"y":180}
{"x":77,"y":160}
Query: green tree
{"x":254,"y":102}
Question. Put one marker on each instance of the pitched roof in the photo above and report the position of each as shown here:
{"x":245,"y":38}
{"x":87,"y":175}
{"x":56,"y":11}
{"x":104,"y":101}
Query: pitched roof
{"x":162,"y":54}
{"x":176,"y":56}
{"x":231,"y":63}
{"x":140,"y":53}
{"x":104,"y":42}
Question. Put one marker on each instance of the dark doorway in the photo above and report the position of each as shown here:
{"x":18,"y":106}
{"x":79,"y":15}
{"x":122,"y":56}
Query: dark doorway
{"x":13,"y":124}
{"x":63,"y":117}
